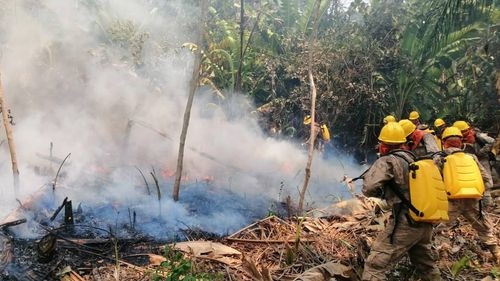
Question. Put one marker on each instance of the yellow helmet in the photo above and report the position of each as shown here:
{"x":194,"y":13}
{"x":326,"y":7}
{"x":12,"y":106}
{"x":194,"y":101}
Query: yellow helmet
{"x":307,"y":120}
{"x":451,"y":132}
{"x":407,"y":126}
{"x":392,"y":133}
{"x":461,"y":125}
{"x":389,"y":118}
{"x":439,"y":122}
{"x":414,"y":115}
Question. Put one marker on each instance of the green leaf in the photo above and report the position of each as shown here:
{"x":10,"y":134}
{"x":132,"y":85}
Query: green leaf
{"x":460,"y":265}
{"x":495,"y":271}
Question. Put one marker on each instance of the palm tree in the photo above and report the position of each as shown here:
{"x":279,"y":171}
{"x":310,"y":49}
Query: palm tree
{"x":431,"y":45}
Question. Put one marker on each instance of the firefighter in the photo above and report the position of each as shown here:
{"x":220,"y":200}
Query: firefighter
{"x":468,"y":208}
{"x":405,"y":236}
{"x":439,"y":126}
{"x":420,"y":142}
{"x":478,"y":143}
{"x":414,"y":117}
{"x":389,"y":118}
{"x":321,"y":133}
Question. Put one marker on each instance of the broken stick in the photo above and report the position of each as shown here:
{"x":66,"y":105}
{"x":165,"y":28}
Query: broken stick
{"x":59,"y":209}
{"x":58,"y":171}
{"x":12,"y":223}
{"x":145,"y":181}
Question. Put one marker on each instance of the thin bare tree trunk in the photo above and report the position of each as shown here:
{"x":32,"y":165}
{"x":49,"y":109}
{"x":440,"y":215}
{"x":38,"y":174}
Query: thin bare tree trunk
{"x":193,"y":85}
{"x":312,"y":88}
{"x":10,"y":137}
{"x":242,"y":34}
{"x":252,"y":32}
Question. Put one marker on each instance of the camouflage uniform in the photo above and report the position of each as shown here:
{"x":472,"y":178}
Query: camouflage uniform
{"x":427,"y":145}
{"x":482,"y":149}
{"x":469,"y":209}
{"x":413,"y":239}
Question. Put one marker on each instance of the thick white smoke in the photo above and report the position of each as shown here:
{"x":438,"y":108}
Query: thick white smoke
{"x":106,"y":80}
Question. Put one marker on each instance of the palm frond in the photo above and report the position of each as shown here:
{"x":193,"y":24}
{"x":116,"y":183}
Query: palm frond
{"x":455,"y":14}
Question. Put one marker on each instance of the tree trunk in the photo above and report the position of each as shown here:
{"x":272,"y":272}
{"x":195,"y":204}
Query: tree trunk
{"x":237,"y":85}
{"x":312,"y":88}
{"x":193,"y":85}
{"x":10,"y":138}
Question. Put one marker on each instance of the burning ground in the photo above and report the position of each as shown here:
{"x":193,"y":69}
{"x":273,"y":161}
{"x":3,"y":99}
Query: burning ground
{"x":106,"y":81}
{"x":330,"y":246}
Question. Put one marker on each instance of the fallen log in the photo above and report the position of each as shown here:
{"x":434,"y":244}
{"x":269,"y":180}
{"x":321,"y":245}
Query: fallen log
{"x":12,"y":223}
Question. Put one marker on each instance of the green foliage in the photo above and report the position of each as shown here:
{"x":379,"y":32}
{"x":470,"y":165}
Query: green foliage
{"x":495,"y":272}
{"x":434,"y":52}
{"x":178,"y":268}
{"x":372,"y":58}
{"x":460,"y":265}
{"x":386,"y":57}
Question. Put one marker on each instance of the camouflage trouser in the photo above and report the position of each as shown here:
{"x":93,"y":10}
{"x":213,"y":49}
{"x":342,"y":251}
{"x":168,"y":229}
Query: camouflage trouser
{"x":326,"y":272}
{"x":416,"y":241}
{"x":469,"y":209}
{"x":488,"y":200}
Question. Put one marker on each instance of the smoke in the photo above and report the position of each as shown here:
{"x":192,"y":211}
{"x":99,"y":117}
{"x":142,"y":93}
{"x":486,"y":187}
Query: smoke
{"x":106,"y":80}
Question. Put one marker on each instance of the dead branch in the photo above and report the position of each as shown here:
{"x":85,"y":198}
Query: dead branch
{"x":10,"y":137}
{"x":12,"y":223}
{"x":58,"y":171}
{"x":145,"y":181}
{"x":156,"y":184}
{"x":313,"y":110}
{"x":193,"y":85}
{"x":56,"y":212}
{"x":201,"y":153}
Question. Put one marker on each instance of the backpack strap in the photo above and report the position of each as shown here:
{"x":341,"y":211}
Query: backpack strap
{"x":362,"y":175}
{"x":394,"y":152}
{"x":397,"y":190}
{"x":397,"y":208}
{"x":480,"y":202}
